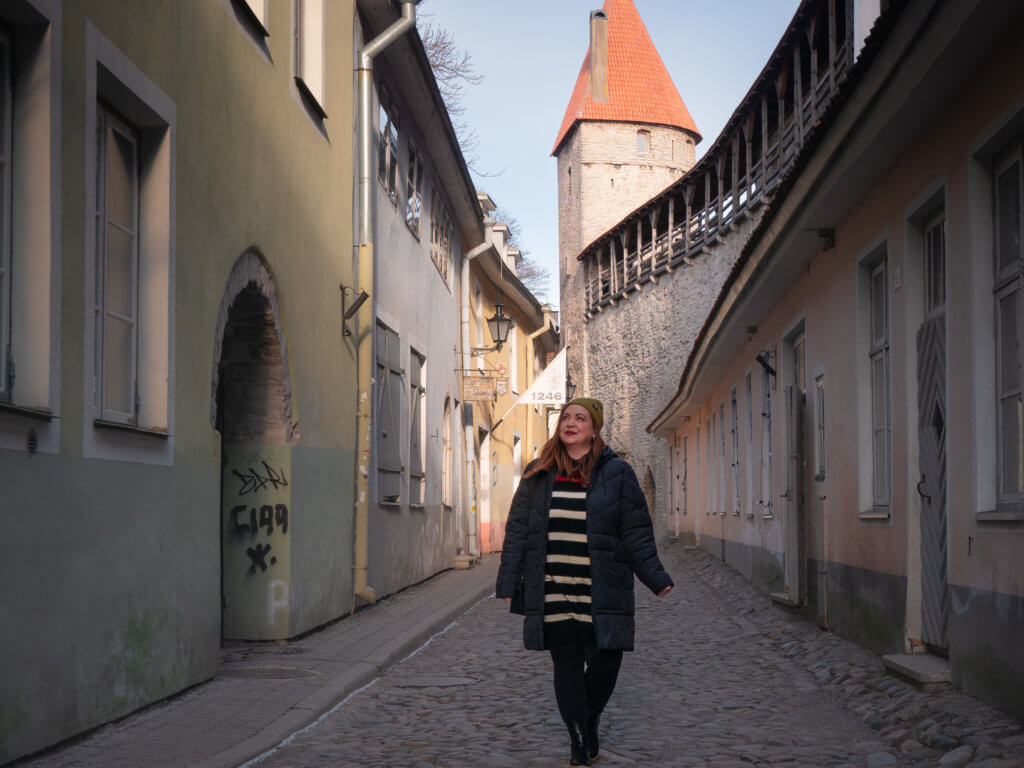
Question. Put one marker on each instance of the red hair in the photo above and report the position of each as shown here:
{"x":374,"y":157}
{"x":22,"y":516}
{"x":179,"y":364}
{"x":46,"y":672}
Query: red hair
{"x":553,"y":456}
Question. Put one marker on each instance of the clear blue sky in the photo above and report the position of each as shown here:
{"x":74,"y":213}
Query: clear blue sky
{"x":530,"y":52}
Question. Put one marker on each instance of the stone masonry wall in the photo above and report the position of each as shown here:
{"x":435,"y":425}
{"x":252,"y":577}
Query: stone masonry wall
{"x":602,"y":178}
{"x":636,"y":353}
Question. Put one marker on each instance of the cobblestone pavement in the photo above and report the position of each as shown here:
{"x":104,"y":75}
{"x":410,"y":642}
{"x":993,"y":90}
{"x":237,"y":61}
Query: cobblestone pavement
{"x":720,"y":677}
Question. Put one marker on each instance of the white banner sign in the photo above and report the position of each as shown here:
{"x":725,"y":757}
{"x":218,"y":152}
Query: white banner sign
{"x":549,"y":387}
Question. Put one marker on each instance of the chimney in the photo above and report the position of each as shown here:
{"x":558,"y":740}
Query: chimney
{"x":599,"y":56}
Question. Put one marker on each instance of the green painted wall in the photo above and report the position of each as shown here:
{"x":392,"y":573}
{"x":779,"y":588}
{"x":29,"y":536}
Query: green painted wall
{"x":117,"y":564}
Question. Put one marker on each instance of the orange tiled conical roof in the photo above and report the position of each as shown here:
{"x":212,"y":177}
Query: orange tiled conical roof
{"x":640,"y":89}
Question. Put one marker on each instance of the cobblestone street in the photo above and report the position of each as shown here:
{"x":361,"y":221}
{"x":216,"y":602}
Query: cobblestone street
{"x":720,"y":678}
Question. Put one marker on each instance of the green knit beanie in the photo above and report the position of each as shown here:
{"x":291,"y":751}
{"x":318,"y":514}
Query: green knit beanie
{"x":594,"y":408}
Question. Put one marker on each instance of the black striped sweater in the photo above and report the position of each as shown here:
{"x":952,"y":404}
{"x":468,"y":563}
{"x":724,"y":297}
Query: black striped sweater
{"x":567,"y":565}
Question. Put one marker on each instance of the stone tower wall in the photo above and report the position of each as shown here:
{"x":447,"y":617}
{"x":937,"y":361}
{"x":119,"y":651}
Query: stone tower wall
{"x":602,"y":178}
{"x":631,"y":356}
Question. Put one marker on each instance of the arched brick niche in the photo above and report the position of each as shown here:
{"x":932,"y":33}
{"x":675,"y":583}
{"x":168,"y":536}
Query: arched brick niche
{"x":251,"y":390}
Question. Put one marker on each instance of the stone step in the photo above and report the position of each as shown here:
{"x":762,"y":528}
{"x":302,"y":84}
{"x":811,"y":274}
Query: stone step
{"x":923,"y":670}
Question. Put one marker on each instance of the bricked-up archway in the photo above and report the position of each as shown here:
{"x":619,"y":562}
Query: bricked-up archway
{"x":251,"y":277}
{"x":252,"y":410}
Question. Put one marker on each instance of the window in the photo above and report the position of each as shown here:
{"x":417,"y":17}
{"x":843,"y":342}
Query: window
{"x":417,"y":428}
{"x":446,"y":454}
{"x":414,"y":191}
{"x":387,"y":152}
{"x":513,"y":359}
{"x":735,"y":455}
{"x":388,"y":408}
{"x":643,"y":142}
{"x":766,"y":444}
{"x":128,"y":381}
{"x":709,"y":469}
{"x":441,"y":236}
{"x":750,"y":444}
{"x":697,"y":476}
{"x":878,"y":356}
{"x":819,"y":427}
{"x":6,"y":365}
{"x":685,"y":458}
{"x":569,"y":176}
{"x":722,"y":497}
{"x":935,"y":265}
{"x":1008,"y":315}
{"x":478,"y":312}
{"x":309,"y":51}
{"x":115,"y":308}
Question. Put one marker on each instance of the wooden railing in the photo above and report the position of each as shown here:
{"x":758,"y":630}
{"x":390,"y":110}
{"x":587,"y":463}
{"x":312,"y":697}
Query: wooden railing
{"x":735,"y":178}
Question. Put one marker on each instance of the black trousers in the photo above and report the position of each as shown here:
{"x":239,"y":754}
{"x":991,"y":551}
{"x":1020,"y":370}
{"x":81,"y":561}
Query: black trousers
{"x":584,"y":678}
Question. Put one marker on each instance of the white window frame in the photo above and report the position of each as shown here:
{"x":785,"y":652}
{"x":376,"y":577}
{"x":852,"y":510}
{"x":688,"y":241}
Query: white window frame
{"x":734,"y":415}
{"x":414,"y":190}
{"x":513,"y":359}
{"x":819,"y":428}
{"x":417,"y":429}
{"x":478,"y":326}
{"x":723,"y":493}
{"x":881,"y":399}
{"x":109,"y":124}
{"x":685,"y":472}
{"x":442,"y":235}
{"x":709,"y":470}
{"x":387,"y":145}
{"x":6,"y":217}
{"x":31,"y":231}
{"x":310,"y":44}
{"x":935,"y":287}
{"x":112,"y":79}
{"x":1007,"y":281}
{"x":748,"y":383}
{"x":766,"y":502}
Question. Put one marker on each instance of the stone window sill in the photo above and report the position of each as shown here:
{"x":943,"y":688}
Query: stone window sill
{"x":122,"y":427}
{"x":42,"y":414}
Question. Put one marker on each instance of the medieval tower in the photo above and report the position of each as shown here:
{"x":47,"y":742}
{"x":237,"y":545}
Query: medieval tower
{"x":626,"y":135}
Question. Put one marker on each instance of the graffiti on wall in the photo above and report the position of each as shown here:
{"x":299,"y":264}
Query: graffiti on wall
{"x":256,"y":498}
{"x":257,"y":525}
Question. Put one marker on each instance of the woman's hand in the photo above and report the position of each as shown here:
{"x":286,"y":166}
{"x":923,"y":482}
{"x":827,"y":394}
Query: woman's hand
{"x":665,"y":591}
{"x":507,"y":600}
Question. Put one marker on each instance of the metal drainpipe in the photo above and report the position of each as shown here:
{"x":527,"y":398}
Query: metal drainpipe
{"x":471,"y":498}
{"x":365,"y":273}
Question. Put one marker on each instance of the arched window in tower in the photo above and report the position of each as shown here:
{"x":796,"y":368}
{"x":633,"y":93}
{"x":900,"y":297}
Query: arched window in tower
{"x":570,"y":181}
{"x":643,"y":142}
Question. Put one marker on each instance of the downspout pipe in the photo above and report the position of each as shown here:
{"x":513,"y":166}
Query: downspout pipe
{"x":365,"y":281}
{"x":471,"y":496}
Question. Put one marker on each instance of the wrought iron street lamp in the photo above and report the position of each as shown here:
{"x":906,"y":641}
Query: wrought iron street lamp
{"x":570,"y":388}
{"x":499,"y":325}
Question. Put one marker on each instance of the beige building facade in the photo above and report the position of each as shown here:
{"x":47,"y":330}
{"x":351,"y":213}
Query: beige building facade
{"x":846,"y":428}
{"x":506,"y":436}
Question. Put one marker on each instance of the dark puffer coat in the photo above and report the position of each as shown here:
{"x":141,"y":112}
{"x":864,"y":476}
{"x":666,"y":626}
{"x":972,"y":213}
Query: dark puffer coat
{"x":620,"y":540}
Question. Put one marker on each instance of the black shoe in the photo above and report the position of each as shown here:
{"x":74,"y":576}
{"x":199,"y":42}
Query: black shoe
{"x":590,"y":739}
{"x":578,"y":752}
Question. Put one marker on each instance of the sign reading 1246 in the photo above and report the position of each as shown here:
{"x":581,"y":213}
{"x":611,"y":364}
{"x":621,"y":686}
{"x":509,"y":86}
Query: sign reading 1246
{"x":543,"y":397}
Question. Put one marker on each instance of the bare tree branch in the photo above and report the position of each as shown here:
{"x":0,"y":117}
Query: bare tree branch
{"x":454,"y":69}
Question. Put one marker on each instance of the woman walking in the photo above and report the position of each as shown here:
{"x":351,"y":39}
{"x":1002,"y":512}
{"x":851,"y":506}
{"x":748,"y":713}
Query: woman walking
{"x":577,"y":532}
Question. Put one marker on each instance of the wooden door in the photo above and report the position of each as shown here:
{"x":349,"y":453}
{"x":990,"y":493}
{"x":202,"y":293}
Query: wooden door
{"x":931,"y":431}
